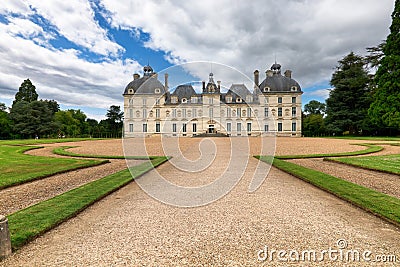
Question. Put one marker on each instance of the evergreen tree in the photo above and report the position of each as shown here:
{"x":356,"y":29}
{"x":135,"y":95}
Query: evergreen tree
{"x":26,"y":92}
{"x":113,"y":123}
{"x":385,"y":108}
{"x":5,"y":122}
{"x":349,"y":99}
{"x":315,"y":107}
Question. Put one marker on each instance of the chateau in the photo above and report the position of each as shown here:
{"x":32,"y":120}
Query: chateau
{"x":273,"y":107}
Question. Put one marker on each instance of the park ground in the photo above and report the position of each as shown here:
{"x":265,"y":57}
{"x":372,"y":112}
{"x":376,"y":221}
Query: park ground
{"x":129,"y":227}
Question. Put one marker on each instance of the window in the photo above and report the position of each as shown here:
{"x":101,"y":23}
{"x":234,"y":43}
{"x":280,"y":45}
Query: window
{"x":173,"y":113}
{"x":280,"y":100}
{"x":238,"y":100}
{"x":294,"y":126}
{"x":157,"y":127}
{"x":239,"y":112}
{"x":145,"y":127}
{"x":131,"y":127}
{"x":266,"y":89}
{"x":228,"y":99}
{"x":184,"y":113}
{"x":248,"y":112}
{"x":249,"y":127}
{"x":144,"y":113}
{"x":279,"y":126}
{"x":249,"y":98}
{"x":144,"y":100}
{"x":174,"y":127}
{"x":184,"y":128}
{"x":194,"y":113}
{"x":157,"y":91}
{"x":130,"y":91}
{"x":184,"y":100}
{"x":228,"y":112}
{"x":293,"y":100}
{"x":279,"y":112}
{"x":239,"y":127}
{"x":194,"y":126}
{"x":266,"y":111}
{"x":211,"y":113}
{"x":174,"y":100}
{"x":266,"y":128}
{"x":266,"y":100}
{"x":130,"y":101}
{"x":293,"y":111}
{"x":131,"y":113}
{"x":210,"y":100}
{"x":157,"y":113}
{"x":194,"y":99}
{"x":294,"y":88}
{"x":228,"y":127}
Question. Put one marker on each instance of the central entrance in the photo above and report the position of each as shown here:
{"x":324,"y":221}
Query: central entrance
{"x":211,"y":129}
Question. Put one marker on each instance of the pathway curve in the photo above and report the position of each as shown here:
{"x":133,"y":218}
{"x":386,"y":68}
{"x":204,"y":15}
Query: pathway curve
{"x":130,"y":228}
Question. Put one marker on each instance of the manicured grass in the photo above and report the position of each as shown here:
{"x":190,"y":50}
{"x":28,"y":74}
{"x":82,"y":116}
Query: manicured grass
{"x":372,"y":148}
{"x":387,"y":163}
{"x":17,"y":167}
{"x":373,"y":138}
{"x":44,"y":141}
{"x":378,"y":203}
{"x":29,"y":223}
{"x":63,"y":151}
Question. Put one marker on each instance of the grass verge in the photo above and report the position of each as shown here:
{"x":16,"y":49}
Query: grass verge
{"x":29,"y":223}
{"x":387,"y":163}
{"x":371,"y":148}
{"x":18,"y":168}
{"x":63,"y":151}
{"x":380,"y":204}
{"x":44,"y":141}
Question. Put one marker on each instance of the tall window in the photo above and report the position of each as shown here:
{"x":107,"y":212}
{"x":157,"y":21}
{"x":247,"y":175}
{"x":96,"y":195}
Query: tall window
{"x":184,"y":128}
{"x":131,"y":113}
{"x":157,"y":101}
{"x":239,"y":112}
{"x":194,"y":113}
{"x":144,"y":113}
{"x":194,"y":126}
{"x":239,"y":127}
{"x":280,"y":100}
{"x":193,"y":99}
{"x":211,"y":112}
{"x":248,"y":112}
{"x":265,"y":112}
{"x":210,"y":100}
{"x":279,"y":112}
{"x":158,"y":127}
{"x":228,"y":127}
{"x":157,"y":113}
{"x":145,"y":127}
{"x":174,"y":127}
{"x":228,"y":112}
{"x":294,"y":126}
{"x":293,"y":100}
{"x":249,"y":127}
{"x":279,"y":126}
{"x":131,"y":127}
{"x":144,"y":102}
{"x":173,"y":113}
{"x":293,"y":111}
{"x":266,"y":128}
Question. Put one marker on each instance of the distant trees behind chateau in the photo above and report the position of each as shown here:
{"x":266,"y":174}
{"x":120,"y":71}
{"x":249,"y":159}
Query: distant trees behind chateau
{"x":32,"y":118}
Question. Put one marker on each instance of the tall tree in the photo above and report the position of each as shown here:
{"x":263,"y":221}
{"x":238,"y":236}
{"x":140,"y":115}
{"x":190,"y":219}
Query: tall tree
{"x":26,"y":92}
{"x":349,"y":99}
{"x":385,"y":108}
{"x":315,"y":107}
{"x":5,"y":122}
{"x":114,"y":120}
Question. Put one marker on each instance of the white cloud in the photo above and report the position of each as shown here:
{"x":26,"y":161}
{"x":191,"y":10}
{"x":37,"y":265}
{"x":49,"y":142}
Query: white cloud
{"x":308,"y":37}
{"x":320,"y":93}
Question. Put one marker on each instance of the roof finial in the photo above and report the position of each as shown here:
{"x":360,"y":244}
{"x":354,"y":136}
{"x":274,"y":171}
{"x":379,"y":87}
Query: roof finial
{"x":275,"y":57}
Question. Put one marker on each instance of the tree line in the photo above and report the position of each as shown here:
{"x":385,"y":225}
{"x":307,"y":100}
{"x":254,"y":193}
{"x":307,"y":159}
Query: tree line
{"x":362,"y":103}
{"x":30,"y":117}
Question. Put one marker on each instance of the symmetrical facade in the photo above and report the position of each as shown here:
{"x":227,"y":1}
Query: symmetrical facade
{"x":273,"y":107}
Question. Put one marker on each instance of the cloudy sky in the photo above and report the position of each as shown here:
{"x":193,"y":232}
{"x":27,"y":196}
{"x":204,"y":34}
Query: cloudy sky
{"x":82,"y":53}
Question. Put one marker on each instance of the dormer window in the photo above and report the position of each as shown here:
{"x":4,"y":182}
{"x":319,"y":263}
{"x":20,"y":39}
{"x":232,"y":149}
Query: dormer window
{"x":174,"y":100}
{"x":194,"y":99}
{"x":228,"y":99}
{"x":184,"y":100}
{"x":294,"y":88}
{"x":249,"y":99}
{"x":266,"y":89}
{"x":157,"y":91}
{"x":238,"y":100}
{"x":130,"y":91}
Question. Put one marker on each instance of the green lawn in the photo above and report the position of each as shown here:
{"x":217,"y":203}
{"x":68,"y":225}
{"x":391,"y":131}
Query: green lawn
{"x":388,"y":163}
{"x":373,"y":138}
{"x":17,"y":167}
{"x":29,"y":223}
{"x":44,"y":141}
{"x":378,"y":203}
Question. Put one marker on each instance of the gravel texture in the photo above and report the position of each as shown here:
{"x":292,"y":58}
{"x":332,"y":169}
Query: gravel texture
{"x":130,"y":228}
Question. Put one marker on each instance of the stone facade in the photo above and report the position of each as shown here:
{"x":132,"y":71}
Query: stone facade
{"x":273,"y":107}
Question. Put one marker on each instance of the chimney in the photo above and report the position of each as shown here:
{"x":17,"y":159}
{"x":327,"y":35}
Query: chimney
{"x":204,"y":85}
{"x":256,"y":78}
{"x":136,"y":76}
{"x":219,"y":85}
{"x":166,"y":81}
{"x":154,"y":75}
{"x":288,"y":73}
{"x":269,"y":73}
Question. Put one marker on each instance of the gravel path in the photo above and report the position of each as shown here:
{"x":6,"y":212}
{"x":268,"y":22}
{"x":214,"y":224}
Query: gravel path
{"x":130,"y":228}
{"x":382,"y":182}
